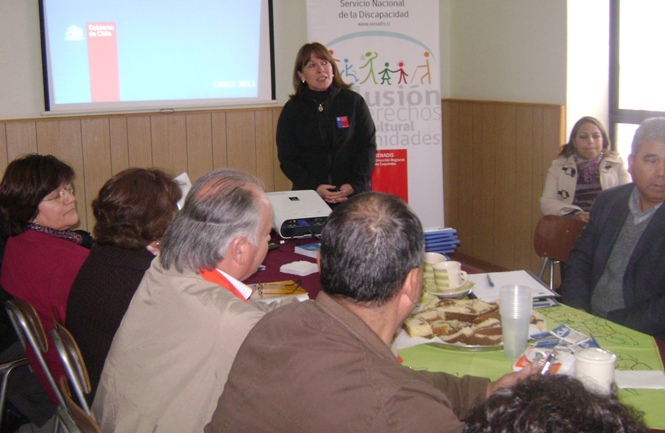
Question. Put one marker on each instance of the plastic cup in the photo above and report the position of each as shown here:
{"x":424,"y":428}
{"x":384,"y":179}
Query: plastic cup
{"x":595,"y":368}
{"x":515,"y":307}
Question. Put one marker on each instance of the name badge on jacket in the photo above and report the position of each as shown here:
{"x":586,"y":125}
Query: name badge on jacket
{"x":342,"y":122}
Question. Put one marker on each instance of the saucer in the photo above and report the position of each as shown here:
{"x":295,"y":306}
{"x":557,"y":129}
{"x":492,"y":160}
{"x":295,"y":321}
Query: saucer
{"x":461,"y":292}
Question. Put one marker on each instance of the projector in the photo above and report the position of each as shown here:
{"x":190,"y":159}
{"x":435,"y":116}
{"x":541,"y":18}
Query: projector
{"x":298,"y":214}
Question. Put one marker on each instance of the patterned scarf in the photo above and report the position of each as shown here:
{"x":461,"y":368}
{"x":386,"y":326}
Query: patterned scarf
{"x":67,"y":235}
{"x":588,"y":169}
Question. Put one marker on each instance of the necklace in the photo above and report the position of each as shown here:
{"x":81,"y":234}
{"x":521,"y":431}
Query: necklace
{"x":319,"y":98}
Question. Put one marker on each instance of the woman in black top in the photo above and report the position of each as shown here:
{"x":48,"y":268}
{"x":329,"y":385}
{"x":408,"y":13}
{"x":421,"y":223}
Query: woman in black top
{"x":326,"y":138}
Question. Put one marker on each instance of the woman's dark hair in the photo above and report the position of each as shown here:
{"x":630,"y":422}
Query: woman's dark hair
{"x":135,"y":207}
{"x":27,"y":180}
{"x":303,"y":56}
{"x":554,"y":403}
{"x":569,"y":148}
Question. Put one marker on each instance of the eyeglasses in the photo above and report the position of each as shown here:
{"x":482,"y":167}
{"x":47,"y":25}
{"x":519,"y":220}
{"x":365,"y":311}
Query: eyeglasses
{"x":61,"y":193}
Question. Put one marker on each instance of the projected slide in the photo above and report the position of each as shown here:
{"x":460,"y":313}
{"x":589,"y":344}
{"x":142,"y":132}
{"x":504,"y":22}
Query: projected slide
{"x":124,"y":51}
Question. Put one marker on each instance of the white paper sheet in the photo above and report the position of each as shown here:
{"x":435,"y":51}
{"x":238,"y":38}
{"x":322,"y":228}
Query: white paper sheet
{"x":647,"y":379}
{"x":484,"y":291}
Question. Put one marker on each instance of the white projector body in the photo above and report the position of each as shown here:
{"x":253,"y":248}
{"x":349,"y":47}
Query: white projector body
{"x":298,"y":214}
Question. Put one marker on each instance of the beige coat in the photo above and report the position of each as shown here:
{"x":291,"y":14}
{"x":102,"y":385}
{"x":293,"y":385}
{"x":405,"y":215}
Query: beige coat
{"x":561,"y":183}
{"x":171,"y":355}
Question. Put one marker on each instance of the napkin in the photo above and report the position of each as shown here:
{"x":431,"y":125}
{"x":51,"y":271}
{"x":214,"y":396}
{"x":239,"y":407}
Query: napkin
{"x":640,"y":379}
{"x":301,"y":268}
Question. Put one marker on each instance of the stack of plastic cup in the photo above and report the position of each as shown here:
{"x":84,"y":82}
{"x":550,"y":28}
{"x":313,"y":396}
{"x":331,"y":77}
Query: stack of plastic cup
{"x":515,"y":307}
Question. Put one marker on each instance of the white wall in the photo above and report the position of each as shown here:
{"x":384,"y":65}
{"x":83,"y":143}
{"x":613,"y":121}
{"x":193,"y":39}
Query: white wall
{"x":21,"y":87}
{"x":511,"y":50}
{"x":588,"y":61}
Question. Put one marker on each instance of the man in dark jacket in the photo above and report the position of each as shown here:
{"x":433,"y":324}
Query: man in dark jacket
{"x":617,"y":268}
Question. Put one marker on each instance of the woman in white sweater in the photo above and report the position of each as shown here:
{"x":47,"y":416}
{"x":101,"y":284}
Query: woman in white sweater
{"x":585,"y":167}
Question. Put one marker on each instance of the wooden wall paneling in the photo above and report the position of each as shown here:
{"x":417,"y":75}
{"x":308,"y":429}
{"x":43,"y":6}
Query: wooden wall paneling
{"x":199,"y":145}
{"x":97,"y":167}
{"x":139,"y":141}
{"x":169,"y":142}
{"x":553,"y":137}
{"x":525,"y":190}
{"x":451,"y":162}
{"x":282,"y":183}
{"x":504,"y":150}
{"x":506,"y":179}
{"x":219,"y":141}
{"x":62,"y":138}
{"x":21,"y":139}
{"x":473,"y":184}
{"x":3,"y":147}
{"x":241,"y":141}
{"x":539,"y":172}
{"x":265,"y":138}
{"x":484,"y":179}
{"x":119,"y":142}
{"x":466,"y":232}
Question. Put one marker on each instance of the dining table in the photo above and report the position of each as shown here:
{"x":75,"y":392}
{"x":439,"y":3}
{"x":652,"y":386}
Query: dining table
{"x":634,"y":350}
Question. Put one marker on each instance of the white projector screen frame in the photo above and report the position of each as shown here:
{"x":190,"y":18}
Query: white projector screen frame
{"x":156,"y":55}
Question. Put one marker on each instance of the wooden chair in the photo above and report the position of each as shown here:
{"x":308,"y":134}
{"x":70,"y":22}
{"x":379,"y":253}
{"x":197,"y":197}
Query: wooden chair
{"x":31,"y":332}
{"x":72,"y":359}
{"x":82,"y":419}
{"x":553,"y":239}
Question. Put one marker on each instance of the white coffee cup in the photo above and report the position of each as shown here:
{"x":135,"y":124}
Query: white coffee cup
{"x":449,"y":276}
{"x":431,"y":259}
{"x":595,"y":368}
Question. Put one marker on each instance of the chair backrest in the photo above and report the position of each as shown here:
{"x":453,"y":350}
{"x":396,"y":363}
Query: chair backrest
{"x":72,"y":359}
{"x":555,"y":236}
{"x":31,"y":332}
{"x":83,"y":420}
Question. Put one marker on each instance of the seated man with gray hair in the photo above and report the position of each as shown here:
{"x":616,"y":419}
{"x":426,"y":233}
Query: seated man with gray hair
{"x":171,"y":356}
{"x":617,"y":268}
{"x":326,"y":365}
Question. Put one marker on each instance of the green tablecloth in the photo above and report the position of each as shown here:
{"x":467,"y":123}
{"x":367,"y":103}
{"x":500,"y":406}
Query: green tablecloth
{"x":634,"y":350}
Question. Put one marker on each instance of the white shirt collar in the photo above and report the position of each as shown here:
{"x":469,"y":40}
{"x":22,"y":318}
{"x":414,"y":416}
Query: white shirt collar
{"x":244,"y":290}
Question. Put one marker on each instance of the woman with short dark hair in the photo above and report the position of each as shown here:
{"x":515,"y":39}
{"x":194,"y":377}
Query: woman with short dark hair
{"x":133,"y":210}
{"x":42,"y":255}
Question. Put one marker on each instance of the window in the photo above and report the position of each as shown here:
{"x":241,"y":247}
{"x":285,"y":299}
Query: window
{"x":637,"y":87}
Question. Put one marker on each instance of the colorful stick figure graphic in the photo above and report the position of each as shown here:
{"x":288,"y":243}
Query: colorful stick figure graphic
{"x":402,"y":72}
{"x":347,"y":71}
{"x":385,"y":74}
{"x":427,"y":71}
{"x":370,"y":62}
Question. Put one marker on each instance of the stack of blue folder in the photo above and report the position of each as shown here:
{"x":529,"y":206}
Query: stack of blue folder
{"x":441,"y":240}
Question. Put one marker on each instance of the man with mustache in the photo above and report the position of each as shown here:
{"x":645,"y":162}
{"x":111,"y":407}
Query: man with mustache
{"x":616,"y":269}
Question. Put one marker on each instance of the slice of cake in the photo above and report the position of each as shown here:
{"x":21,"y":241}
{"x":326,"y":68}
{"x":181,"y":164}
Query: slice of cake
{"x":418,"y":327}
{"x":458,"y":337}
{"x":491,"y":326}
{"x":484,"y":340}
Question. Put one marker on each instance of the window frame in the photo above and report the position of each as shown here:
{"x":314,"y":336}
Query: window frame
{"x":617,"y":115}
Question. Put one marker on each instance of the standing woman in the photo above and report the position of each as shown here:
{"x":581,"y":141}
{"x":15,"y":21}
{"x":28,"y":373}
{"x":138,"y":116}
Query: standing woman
{"x":326,"y":138}
{"x":42,"y":255}
{"x":585,"y":167}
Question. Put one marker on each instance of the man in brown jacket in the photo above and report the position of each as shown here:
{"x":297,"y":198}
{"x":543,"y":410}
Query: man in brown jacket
{"x":326,"y":365}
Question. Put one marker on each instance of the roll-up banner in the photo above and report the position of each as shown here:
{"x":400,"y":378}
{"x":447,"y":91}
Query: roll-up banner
{"x":389,"y":51}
